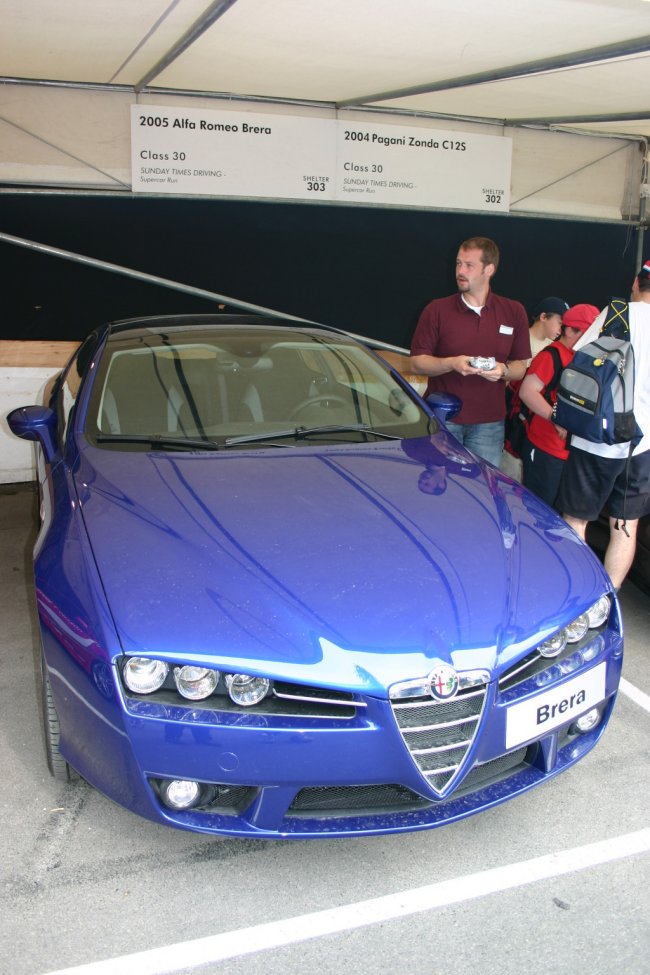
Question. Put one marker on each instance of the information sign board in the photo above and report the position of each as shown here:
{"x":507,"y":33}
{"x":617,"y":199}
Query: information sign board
{"x":202,"y":152}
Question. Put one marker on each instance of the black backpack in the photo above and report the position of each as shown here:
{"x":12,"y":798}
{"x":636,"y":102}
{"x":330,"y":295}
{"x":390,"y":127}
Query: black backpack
{"x":519,"y":415}
{"x":595,"y":398}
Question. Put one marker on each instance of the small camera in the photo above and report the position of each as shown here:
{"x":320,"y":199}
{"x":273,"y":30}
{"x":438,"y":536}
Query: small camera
{"x":484,"y":362}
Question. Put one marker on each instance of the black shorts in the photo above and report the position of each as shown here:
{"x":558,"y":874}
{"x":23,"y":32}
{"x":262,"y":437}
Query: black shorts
{"x":542,"y":472}
{"x":591,"y":484}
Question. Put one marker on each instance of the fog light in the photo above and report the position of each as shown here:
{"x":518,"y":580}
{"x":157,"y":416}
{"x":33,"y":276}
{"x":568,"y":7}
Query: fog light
{"x":245,"y":690}
{"x":180,"y":793}
{"x":556,"y":644}
{"x":195,"y":683}
{"x":586,"y":722}
{"x":143,"y":675}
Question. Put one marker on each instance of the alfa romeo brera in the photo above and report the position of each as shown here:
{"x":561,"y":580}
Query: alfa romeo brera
{"x":277,"y":599}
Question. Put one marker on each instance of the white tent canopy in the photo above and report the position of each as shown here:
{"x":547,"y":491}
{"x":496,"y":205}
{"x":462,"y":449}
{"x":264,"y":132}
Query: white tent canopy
{"x":567,"y":62}
{"x":560,"y":78}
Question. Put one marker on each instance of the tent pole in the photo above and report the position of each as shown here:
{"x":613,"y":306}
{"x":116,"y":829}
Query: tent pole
{"x":188,"y":289}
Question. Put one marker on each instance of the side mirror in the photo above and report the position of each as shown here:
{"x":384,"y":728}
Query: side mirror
{"x":35,"y":423}
{"x":445,"y":406}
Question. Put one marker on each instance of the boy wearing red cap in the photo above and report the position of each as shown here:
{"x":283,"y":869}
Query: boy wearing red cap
{"x":545,"y":451}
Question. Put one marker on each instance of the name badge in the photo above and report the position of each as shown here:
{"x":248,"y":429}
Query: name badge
{"x":506,"y":329}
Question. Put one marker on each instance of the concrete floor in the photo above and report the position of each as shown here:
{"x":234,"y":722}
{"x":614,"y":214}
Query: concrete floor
{"x":89,"y":886}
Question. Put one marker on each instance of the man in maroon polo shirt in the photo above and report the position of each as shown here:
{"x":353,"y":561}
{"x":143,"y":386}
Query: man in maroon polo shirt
{"x":474,"y":322}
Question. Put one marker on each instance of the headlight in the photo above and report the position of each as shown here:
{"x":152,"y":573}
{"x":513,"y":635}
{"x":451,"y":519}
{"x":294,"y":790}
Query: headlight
{"x":556,"y":644}
{"x":245,"y":690}
{"x":143,"y":675}
{"x":146,"y":675}
{"x":576,"y":630}
{"x":195,"y":683}
{"x":598,"y":613}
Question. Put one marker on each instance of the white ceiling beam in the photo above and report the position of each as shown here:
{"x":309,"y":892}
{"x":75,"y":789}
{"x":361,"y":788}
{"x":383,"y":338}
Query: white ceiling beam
{"x":622,"y":49}
{"x":216,"y":10}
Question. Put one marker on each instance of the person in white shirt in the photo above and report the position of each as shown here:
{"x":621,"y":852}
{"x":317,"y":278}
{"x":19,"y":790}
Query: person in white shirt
{"x":598,"y":476}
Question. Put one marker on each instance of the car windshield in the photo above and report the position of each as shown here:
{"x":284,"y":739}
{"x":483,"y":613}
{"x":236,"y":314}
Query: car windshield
{"x":237,"y":387}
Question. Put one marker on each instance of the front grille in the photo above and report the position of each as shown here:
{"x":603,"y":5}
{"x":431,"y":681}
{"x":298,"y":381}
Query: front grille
{"x":230,"y":798}
{"x":439,"y":735}
{"x":354,"y":799}
{"x":497,"y":769}
{"x":321,"y":702}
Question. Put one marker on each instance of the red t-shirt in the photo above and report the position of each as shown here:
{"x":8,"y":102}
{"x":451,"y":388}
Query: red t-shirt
{"x":448,"y":327}
{"x":541,"y":432}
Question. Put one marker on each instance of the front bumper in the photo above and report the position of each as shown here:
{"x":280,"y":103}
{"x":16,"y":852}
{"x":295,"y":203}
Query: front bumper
{"x":305,"y":777}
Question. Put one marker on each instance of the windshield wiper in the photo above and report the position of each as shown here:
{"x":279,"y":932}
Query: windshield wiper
{"x":154,"y":440}
{"x":346,"y":428}
{"x":302,"y":433}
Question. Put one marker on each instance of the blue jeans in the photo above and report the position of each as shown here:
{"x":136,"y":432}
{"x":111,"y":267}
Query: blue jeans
{"x":484,"y":439}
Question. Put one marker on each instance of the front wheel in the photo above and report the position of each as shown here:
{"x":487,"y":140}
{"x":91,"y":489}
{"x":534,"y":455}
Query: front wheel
{"x":56,"y":763}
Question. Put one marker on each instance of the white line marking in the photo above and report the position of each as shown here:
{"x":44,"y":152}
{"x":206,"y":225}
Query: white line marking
{"x":643,"y":700}
{"x":277,"y":934}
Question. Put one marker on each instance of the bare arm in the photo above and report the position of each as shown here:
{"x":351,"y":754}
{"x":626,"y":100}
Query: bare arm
{"x":433,"y":365}
{"x":530,"y":393}
{"x":514,"y":369}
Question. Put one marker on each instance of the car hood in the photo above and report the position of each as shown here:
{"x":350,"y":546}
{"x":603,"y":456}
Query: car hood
{"x":357,"y":565}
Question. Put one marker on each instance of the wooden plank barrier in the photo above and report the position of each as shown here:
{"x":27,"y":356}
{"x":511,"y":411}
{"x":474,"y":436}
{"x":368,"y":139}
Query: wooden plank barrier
{"x":35,"y":355}
{"x":43,"y":354}
{"x":403,"y":365}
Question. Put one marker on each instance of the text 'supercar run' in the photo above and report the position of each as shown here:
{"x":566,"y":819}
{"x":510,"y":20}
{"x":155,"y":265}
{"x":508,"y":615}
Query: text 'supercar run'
{"x":277,"y":599}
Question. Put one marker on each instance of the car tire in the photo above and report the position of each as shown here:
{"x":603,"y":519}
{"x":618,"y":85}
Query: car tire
{"x":56,"y":763}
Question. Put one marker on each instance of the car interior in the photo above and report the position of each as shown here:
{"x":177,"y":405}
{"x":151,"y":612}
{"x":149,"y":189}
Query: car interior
{"x":202,"y":389}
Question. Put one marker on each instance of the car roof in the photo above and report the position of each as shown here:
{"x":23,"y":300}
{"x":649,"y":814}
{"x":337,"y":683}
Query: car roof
{"x":211,"y":318}
{"x":216,"y":319}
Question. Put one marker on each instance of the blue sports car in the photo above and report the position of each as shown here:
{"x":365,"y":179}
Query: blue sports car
{"x":277,"y":599}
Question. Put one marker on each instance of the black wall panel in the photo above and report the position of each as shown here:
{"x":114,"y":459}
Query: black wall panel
{"x":369,"y":270}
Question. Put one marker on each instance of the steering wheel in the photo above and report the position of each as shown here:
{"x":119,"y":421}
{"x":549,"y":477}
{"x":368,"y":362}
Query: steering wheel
{"x":316,"y":401}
